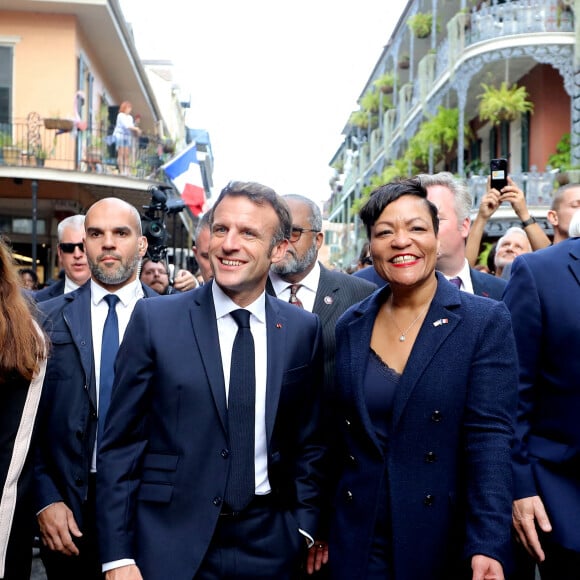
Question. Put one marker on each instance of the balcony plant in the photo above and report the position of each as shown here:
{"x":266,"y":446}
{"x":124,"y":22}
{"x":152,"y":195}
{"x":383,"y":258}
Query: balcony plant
{"x":10,"y":152}
{"x":385,"y":83}
{"x":504,"y":103}
{"x":404,"y":61}
{"x":371,"y":102}
{"x":363,"y":120}
{"x":421,"y":24}
{"x":41,"y":155}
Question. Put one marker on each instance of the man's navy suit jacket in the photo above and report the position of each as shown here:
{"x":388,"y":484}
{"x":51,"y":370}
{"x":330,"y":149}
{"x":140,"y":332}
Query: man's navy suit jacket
{"x":483,"y":284}
{"x":52,"y":291}
{"x":543,"y":295}
{"x":164,"y":460}
{"x":67,"y":417}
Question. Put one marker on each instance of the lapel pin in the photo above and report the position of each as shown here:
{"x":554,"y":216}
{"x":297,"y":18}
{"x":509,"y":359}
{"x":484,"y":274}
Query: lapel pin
{"x":441,"y":321}
{"x":278,"y":325}
{"x":328,"y":300}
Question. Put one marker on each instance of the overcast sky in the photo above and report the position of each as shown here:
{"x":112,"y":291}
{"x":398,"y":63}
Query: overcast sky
{"x":272,"y":82}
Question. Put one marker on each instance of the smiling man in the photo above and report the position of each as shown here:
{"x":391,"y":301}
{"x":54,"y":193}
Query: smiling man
{"x":227,"y":471}
{"x":83,"y":327}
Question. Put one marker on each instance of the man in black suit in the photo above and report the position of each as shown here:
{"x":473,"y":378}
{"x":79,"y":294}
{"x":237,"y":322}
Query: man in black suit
{"x":184,"y":492}
{"x":319,"y":290}
{"x":73,"y":393}
{"x":71,"y":259}
{"x":453,"y":201}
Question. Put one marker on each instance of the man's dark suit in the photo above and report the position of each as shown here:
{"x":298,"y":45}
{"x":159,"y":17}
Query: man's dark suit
{"x":67,"y":417}
{"x":483,"y":284}
{"x":52,"y":291}
{"x":543,"y":295}
{"x":164,"y":459}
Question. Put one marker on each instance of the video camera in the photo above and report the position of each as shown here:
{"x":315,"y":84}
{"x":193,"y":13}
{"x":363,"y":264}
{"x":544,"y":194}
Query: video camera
{"x":153,"y":220}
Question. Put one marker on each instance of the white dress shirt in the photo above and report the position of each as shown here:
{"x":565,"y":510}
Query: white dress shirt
{"x":465,"y":276}
{"x":227,"y":330}
{"x":69,"y":285}
{"x":306,"y":293}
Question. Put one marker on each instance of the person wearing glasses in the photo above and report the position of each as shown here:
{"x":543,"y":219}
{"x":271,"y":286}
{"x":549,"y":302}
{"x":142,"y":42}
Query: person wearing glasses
{"x":71,"y":259}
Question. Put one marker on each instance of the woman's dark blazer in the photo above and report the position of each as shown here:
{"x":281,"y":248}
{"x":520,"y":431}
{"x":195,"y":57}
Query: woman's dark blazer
{"x":447,"y":467}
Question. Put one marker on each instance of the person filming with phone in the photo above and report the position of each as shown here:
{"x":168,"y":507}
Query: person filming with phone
{"x":500,"y":189}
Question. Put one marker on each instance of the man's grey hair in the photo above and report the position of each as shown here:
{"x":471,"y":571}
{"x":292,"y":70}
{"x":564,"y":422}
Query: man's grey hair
{"x":75,"y":222}
{"x":315,"y":217}
{"x":463,"y":200}
{"x":509,"y":231}
{"x":201,"y":225}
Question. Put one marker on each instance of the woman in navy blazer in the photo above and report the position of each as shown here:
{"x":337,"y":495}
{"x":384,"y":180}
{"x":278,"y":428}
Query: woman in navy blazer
{"x":427,"y":385}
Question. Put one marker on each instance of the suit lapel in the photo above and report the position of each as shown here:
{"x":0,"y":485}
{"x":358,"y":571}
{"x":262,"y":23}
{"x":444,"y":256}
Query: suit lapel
{"x":276,"y":339}
{"x":574,"y":264}
{"x":359,"y":340}
{"x":439,"y":323}
{"x":203,"y":320}
{"x":77,"y":317}
{"x":325,"y":300}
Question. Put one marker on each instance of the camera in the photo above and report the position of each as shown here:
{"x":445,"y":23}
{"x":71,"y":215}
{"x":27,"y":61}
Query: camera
{"x":153,"y":220}
{"x":498,"y":170}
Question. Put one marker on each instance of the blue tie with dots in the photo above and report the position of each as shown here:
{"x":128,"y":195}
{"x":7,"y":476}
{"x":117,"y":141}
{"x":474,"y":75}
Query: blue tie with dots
{"x":240,"y":488}
{"x":109,"y":348}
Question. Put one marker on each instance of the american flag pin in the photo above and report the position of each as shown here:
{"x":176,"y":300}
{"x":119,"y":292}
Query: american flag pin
{"x":328,"y":300}
{"x":441,"y":321}
{"x":278,"y":325}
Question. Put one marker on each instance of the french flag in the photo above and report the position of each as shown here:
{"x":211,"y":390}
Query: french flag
{"x":185,"y":173}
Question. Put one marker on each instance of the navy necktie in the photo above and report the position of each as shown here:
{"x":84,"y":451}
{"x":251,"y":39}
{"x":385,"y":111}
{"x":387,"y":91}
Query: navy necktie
{"x":456,"y":281}
{"x":241,"y":483}
{"x":109,"y":348}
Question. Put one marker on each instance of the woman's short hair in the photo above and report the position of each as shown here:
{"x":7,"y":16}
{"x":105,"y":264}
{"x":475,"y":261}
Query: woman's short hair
{"x":386,"y":194}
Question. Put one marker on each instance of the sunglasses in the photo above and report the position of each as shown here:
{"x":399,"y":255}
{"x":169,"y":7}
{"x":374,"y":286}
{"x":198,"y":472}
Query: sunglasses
{"x":296,"y":233}
{"x":69,"y":247}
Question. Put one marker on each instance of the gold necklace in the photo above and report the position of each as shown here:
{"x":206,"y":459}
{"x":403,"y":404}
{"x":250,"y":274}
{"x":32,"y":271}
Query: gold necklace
{"x":403,"y":335}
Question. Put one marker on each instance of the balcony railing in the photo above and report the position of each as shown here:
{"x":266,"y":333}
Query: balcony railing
{"x":58,"y":144}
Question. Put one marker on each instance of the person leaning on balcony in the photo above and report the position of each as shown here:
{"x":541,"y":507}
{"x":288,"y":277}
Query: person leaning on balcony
{"x":124,"y":134}
{"x":512,"y":194}
{"x":565,"y":202}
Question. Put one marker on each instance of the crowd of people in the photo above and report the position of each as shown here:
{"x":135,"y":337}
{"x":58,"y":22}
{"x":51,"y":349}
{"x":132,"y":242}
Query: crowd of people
{"x":274,"y":418}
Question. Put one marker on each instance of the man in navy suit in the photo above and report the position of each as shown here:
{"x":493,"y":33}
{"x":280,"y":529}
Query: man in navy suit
{"x":71,"y":396}
{"x":322,"y":291}
{"x":71,"y":258}
{"x":543,"y":295}
{"x":169,"y":457}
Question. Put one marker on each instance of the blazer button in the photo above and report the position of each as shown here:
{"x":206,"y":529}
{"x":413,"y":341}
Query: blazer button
{"x":348,"y":495}
{"x":225,"y":453}
{"x":217,"y":501}
{"x":93,"y":414}
{"x":79,"y":434}
{"x":347,"y":422}
{"x":352,"y":459}
{"x":429,"y":500}
{"x":79,"y":481}
{"x":436,"y":416}
{"x":430,"y":457}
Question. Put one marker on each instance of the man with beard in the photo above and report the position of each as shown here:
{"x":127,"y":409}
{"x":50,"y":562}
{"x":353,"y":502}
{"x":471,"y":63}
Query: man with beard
{"x":85,"y":327}
{"x":302,"y":280}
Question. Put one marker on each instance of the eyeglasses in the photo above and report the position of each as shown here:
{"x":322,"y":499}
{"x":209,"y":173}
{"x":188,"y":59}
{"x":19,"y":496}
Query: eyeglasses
{"x":296,"y":233}
{"x":367,"y":261}
{"x":69,"y":247}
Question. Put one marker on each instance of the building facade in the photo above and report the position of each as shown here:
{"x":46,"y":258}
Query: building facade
{"x":444,"y":59}
{"x":65,"y":67}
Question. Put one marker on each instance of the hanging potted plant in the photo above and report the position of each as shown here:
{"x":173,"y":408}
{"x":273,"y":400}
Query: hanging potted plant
{"x":421,"y":24}
{"x":404,"y":61}
{"x":385,"y":83}
{"x":371,"y":102}
{"x":503,"y":103}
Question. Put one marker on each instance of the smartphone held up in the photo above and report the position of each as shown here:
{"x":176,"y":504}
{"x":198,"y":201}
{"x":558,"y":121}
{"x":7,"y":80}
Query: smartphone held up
{"x":498,"y":170}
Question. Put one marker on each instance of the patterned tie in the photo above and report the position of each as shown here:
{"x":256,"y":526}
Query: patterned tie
{"x":456,"y":281}
{"x":293,"y":298}
{"x":241,"y":486}
{"x":109,"y":348}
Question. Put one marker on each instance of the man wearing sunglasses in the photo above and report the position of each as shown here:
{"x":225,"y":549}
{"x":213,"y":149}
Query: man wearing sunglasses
{"x":71,"y":258}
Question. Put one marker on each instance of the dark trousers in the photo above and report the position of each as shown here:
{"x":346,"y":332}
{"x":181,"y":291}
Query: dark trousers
{"x":261,"y":542}
{"x":560,"y":563}
{"x":87,"y":565}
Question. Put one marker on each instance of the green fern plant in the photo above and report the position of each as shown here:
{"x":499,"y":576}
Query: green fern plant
{"x":503,"y":103}
{"x":385,"y":83}
{"x":421,"y":24}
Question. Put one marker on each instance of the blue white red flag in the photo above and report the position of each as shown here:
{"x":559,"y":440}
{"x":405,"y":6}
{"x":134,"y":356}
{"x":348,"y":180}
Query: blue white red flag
{"x":185,"y":173}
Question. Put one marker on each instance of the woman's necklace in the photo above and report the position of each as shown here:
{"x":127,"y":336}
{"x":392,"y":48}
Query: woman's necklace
{"x":403,"y":335}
